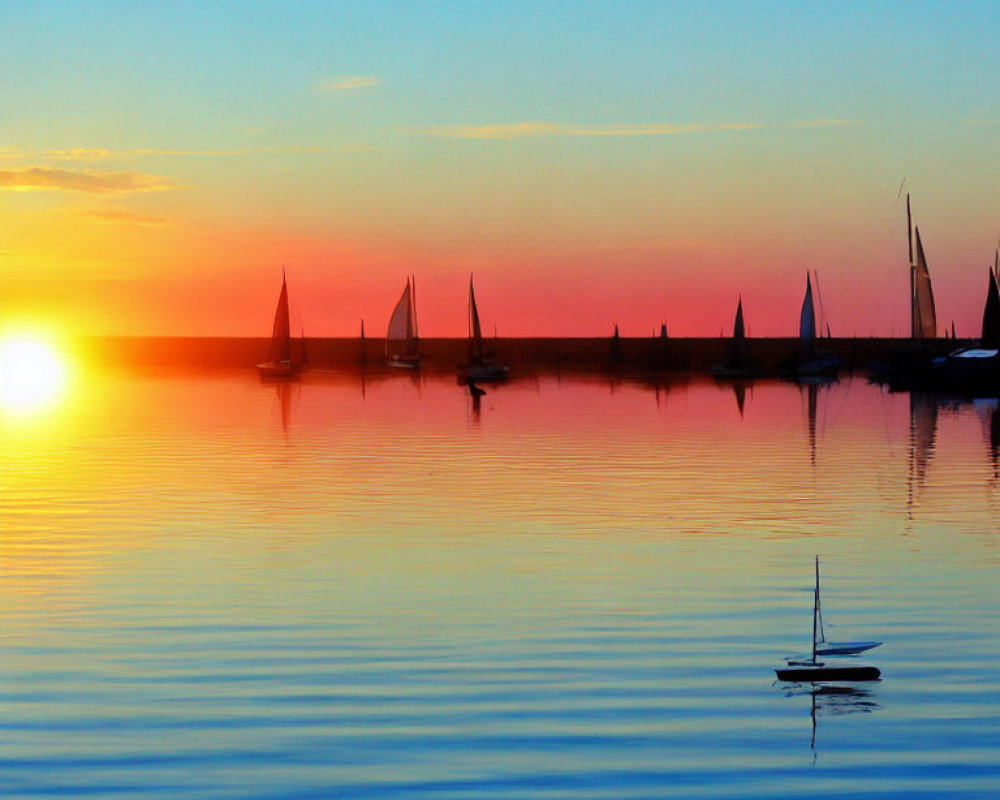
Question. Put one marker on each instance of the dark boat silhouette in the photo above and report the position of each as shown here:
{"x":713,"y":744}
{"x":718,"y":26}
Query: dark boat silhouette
{"x":280,"y":365}
{"x":803,"y":669}
{"x":481,"y":366}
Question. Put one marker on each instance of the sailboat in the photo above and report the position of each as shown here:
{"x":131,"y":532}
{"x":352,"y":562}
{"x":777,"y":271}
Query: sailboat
{"x":736,"y":363}
{"x":916,"y":364}
{"x":280,"y":364}
{"x":810,"y":668}
{"x":402,"y":342}
{"x":481,"y":366}
{"x":978,"y":368}
{"x":812,"y":363}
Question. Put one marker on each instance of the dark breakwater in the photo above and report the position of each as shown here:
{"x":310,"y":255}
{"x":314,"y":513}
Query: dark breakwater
{"x":524,"y":355}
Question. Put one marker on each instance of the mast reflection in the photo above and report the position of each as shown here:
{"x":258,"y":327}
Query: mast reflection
{"x":833,"y":700}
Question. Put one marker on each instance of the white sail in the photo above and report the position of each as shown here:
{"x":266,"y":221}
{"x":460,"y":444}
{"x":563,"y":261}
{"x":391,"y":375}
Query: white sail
{"x":822,"y":647}
{"x":401,"y":321}
{"x":401,"y":335}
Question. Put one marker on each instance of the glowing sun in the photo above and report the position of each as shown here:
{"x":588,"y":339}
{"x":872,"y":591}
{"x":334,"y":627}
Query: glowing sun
{"x":31,"y":374}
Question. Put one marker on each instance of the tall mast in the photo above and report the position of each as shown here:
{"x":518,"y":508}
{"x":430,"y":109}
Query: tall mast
{"x":909,"y":228}
{"x":413,"y":307}
{"x":815,"y":608}
{"x":913,"y":271}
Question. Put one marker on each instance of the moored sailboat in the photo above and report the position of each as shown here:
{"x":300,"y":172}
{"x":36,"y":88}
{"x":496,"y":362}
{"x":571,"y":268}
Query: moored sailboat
{"x":977,"y":368}
{"x":481,"y":367}
{"x":736,"y":363}
{"x":280,"y":364}
{"x":812,"y":362}
{"x":913,"y":365}
{"x":810,"y":668}
{"x":402,"y":340}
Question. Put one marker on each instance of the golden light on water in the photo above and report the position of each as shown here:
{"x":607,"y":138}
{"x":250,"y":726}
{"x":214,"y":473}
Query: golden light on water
{"x":32,"y":374}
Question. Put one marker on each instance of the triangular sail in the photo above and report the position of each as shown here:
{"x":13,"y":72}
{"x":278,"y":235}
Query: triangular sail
{"x":807,"y":319}
{"x":820,"y":635}
{"x":400,"y":338}
{"x":281,"y":334}
{"x":991,"y":315}
{"x":923,"y":316}
{"x":736,"y":349}
{"x":475,"y":331}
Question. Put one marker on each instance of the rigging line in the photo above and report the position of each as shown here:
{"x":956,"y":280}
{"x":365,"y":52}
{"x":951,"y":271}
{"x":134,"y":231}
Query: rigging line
{"x":822,"y":311}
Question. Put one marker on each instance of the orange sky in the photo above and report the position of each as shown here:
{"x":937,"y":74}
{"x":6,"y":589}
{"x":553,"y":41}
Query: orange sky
{"x":160,"y":178}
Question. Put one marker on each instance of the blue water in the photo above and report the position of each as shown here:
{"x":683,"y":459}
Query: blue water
{"x":216,"y":588}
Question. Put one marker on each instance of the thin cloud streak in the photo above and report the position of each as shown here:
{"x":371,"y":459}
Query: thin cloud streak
{"x":78,"y":154}
{"x":121,"y":216}
{"x":521,"y":130}
{"x":87,"y":181}
{"x":349,"y":83}
{"x":97,"y":154}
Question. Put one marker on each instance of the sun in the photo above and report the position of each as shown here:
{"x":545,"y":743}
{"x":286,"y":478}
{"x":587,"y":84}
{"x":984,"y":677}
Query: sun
{"x":32,"y":374}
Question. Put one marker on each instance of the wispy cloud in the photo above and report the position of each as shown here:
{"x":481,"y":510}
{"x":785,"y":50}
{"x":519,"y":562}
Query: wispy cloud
{"x":121,"y":216}
{"x":349,"y":83}
{"x":78,"y":154}
{"x":97,"y":154}
{"x":245,"y":151}
{"x":522,"y":130}
{"x":981,"y":123}
{"x":88,"y":181}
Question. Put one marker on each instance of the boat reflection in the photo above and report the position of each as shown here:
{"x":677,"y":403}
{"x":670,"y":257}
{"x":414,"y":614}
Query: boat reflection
{"x":283,"y":397}
{"x":740,"y":391}
{"x":476,"y":393}
{"x":924,"y":410}
{"x":995,"y":441}
{"x":833,"y":700}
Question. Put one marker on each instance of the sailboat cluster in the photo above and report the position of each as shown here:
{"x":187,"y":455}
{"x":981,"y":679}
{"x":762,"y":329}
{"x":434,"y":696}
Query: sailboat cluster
{"x":929,"y":362}
{"x":402,"y":340}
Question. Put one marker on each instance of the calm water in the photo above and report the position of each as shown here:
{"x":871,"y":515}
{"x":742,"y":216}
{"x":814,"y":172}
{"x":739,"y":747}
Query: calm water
{"x":215,"y":588}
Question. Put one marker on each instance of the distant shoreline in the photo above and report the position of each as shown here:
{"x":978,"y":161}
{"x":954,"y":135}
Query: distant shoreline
{"x":522,"y":354}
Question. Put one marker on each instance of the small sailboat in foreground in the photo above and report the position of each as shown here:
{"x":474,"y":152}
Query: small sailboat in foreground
{"x":810,"y":668}
{"x":279,"y":364}
{"x":480,"y":367}
{"x":402,"y":341}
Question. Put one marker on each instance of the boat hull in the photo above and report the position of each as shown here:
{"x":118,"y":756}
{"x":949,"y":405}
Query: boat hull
{"x":404,"y":362}
{"x":279,"y":370}
{"x":824,"y":672}
{"x":483,"y":373}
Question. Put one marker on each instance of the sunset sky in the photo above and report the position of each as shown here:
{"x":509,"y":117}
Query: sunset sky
{"x":592,"y":163}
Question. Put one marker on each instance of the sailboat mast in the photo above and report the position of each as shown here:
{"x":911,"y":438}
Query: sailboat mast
{"x":913,"y":271}
{"x":413,"y":307}
{"x":815,"y":609}
{"x":909,"y":228}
